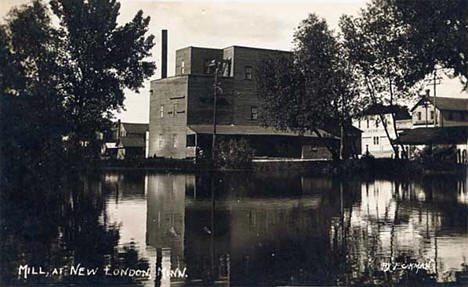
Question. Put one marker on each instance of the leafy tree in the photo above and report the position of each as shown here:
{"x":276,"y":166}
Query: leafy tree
{"x":373,"y":43}
{"x":104,"y":59}
{"x":437,"y":33}
{"x":310,"y":89}
{"x":32,"y":113}
{"x":66,"y":80}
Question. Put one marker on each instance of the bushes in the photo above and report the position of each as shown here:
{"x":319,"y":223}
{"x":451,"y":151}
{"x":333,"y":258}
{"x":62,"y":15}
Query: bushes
{"x":447,"y":153}
{"x":439,"y":157}
{"x":234,"y":154}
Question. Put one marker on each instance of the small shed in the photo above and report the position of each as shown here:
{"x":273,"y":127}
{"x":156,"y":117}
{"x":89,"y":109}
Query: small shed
{"x":133,"y":147}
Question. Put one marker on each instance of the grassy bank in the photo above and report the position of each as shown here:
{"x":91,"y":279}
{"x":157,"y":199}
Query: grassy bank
{"x":361,"y":167}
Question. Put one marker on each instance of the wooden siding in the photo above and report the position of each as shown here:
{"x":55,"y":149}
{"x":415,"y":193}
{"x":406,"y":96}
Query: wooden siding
{"x":194,"y":59}
{"x":183,"y":55}
{"x":445,"y":118}
{"x":167,"y":135}
{"x":193,"y":94}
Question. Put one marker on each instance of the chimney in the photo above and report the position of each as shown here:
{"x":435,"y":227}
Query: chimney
{"x":164,"y":54}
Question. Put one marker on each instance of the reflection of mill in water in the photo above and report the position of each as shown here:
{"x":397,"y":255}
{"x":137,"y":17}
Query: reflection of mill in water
{"x":166,"y":230}
{"x":165,"y":223}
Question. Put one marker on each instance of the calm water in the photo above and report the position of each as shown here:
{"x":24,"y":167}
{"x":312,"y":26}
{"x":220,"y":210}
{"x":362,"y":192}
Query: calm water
{"x":236,"y":229}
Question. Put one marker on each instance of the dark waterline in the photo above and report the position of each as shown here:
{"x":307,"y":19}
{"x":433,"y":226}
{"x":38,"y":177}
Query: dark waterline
{"x":238,"y":229}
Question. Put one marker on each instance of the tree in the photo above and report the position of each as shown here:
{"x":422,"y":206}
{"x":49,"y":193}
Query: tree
{"x":67,"y":80}
{"x":310,"y":89}
{"x":32,"y":113}
{"x":374,"y":45}
{"x":437,"y":33}
{"x":104,"y":59}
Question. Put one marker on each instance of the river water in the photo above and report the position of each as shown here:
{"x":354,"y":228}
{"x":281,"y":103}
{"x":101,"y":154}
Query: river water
{"x":239,"y":229}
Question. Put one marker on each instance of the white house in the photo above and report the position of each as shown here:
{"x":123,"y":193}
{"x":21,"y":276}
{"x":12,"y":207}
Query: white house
{"x":440,"y":121}
{"x":374,"y":139}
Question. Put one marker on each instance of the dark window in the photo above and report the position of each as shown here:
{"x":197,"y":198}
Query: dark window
{"x":376,"y":140}
{"x":419,"y":116}
{"x":449,"y":116}
{"x":190,"y":140}
{"x":253,"y":113}
{"x":359,"y":123}
{"x":248,"y":72}
{"x":376,"y":123}
{"x":367,"y":122}
{"x":432,"y":115}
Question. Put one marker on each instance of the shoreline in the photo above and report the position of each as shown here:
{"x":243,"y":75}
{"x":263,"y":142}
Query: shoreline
{"x":345,"y":168}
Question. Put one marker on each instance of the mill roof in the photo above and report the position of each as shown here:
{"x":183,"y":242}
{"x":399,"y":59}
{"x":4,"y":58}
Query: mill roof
{"x":250,"y":130}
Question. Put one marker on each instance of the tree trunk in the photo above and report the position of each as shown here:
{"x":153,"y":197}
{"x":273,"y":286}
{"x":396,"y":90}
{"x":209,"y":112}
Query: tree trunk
{"x":381,"y":115}
{"x":330,"y":148}
{"x":342,"y":135}
{"x":394,"y":122}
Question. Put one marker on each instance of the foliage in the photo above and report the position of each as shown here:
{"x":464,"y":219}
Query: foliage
{"x":437,"y":33}
{"x":31,"y":110}
{"x":310,"y":89}
{"x":395,"y":44}
{"x":438,"y":153}
{"x":234,"y":154}
{"x":66,"y":80}
{"x":105,"y":59}
{"x":374,"y":44}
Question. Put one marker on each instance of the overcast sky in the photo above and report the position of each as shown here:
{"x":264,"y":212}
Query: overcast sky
{"x":219,"y":24}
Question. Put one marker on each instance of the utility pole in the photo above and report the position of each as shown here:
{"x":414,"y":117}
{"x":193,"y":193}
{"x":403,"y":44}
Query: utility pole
{"x":435,"y":106}
{"x":215,"y":95}
{"x":434,"y":81}
{"x":218,"y":65}
{"x":426,"y":106}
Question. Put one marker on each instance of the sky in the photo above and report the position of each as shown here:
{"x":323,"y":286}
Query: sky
{"x":219,"y":24}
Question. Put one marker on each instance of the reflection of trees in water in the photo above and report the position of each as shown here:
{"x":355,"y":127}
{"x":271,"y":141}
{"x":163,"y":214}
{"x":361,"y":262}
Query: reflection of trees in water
{"x":397,"y":222}
{"x":58,"y":220}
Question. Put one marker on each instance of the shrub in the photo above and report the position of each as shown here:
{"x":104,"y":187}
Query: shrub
{"x":444,"y":153}
{"x":234,"y":154}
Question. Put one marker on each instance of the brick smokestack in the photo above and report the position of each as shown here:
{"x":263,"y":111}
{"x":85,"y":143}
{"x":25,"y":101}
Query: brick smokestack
{"x":164,"y":55}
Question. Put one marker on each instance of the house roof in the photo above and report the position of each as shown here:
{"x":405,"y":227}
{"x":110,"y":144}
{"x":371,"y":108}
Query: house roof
{"x":452,"y":104}
{"x":445,"y":103}
{"x":251,"y":131}
{"x":126,"y":142}
{"x":401,"y":112}
{"x":423,"y":101}
{"x":334,"y":128}
{"x":135,"y":128}
{"x":438,"y":135}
